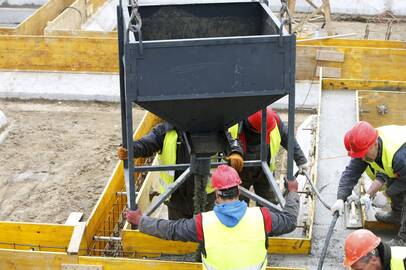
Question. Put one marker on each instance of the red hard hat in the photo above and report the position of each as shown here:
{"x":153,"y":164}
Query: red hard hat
{"x":358,"y":244}
{"x":255,"y":121}
{"x":225,"y":177}
{"x":359,"y":139}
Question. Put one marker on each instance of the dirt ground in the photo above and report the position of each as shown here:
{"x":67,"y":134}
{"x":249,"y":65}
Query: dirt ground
{"x":56,"y":158}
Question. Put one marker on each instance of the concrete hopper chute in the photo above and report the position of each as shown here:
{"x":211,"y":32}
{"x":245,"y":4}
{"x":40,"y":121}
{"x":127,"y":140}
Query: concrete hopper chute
{"x":203,"y":66}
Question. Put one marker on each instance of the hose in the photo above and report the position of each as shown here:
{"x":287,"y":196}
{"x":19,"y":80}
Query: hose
{"x":327,"y":240}
{"x":315,"y":190}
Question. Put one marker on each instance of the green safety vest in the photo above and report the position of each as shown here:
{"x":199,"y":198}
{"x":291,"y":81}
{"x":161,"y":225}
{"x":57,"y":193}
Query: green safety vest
{"x":274,"y":144}
{"x":241,"y":247}
{"x":393,"y":137}
{"x":371,"y":172}
{"x":398,"y":256}
{"x":168,"y":157}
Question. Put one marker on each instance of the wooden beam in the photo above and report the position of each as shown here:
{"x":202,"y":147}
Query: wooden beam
{"x":76,"y":238}
{"x":382,"y":108}
{"x":360,"y":85}
{"x":35,"y":24}
{"x":327,"y":17}
{"x":24,"y":260}
{"x":35,"y":236}
{"x":292,"y":7}
{"x":74,"y":218}
{"x":330,"y":55}
{"x":80,"y":33}
{"x":146,"y":245}
{"x":356,"y":43}
{"x":70,"y":19}
{"x":81,"y":267}
{"x":329,"y":72}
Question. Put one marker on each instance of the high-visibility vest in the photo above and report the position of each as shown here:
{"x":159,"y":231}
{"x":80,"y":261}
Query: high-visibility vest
{"x":274,"y":144}
{"x":393,"y":137}
{"x":241,"y":247}
{"x":398,"y":257}
{"x":168,"y":157}
{"x":371,"y":172}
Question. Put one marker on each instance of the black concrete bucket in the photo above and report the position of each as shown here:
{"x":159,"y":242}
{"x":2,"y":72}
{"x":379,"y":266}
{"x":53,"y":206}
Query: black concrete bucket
{"x":206,"y":66}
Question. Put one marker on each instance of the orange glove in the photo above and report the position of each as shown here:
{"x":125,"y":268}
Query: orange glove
{"x":236,"y":161}
{"x":122,"y":153}
{"x":293,"y":185}
{"x":133,"y":216}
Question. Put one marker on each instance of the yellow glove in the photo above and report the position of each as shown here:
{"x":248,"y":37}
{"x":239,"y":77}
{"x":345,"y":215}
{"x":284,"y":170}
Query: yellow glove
{"x":236,"y":161}
{"x":122,"y":153}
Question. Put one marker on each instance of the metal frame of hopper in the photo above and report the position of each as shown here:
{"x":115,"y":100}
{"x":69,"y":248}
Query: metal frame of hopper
{"x":125,"y":41}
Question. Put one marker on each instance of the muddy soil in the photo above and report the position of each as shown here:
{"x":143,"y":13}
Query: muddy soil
{"x":56,"y":158}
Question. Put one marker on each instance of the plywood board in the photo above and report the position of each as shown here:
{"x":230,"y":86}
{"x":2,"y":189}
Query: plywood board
{"x":329,"y":55}
{"x":353,"y":84}
{"x":394,"y":102}
{"x":329,"y":72}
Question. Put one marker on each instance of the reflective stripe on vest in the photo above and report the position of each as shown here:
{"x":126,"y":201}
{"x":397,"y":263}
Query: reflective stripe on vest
{"x":398,"y":256}
{"x":274,"y":145}
{"x":168,"y":157}
{"x":240,"y":247}
{"x":393,"y":137}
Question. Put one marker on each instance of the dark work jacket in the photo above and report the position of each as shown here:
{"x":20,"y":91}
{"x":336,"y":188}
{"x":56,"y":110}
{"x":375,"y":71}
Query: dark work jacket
{"x":356,"y":167}
{"x":153,"y":142}
{"x":185,"y":229}
{"x":253,"y":143}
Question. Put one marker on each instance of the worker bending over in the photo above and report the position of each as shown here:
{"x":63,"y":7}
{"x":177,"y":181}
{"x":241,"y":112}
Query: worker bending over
{"x":382,"y":150}
{"x":250,"y":139}
{"x":365,"y":251}
{"x":166,"y":139}
{"x":233,"y":235}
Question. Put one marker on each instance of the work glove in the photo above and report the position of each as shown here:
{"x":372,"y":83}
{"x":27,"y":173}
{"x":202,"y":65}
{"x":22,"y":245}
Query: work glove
{"x":354,"y":197}
{"x":338,"y":206}
{"x":236,"y":161}
{"x":292,"y":185}
{"x":366,"y":200}
{"x":122,"y":153}
{"x":133,"y":216}
{"x":303,"y":168}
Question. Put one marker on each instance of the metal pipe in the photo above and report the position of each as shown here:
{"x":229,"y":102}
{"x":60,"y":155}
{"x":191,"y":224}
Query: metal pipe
{"x":273,"y":183}
{"x":259,"y":199}
{"x":107,"y":238}
{"x":316,"y":191}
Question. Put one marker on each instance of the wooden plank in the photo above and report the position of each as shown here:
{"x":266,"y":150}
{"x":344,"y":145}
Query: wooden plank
{"x":327,"y":17}
{"x":76,"y":238}
{"x":35,"y":24}
{"x":22,"y":260}
{"x":7,"y":30}
{"x":329,"y":72}
{"x":147,"y":245}
{"x":58,"y":53}
{"x":377,"y":226}
{"x":329,"y":55}
{"x":130,"y":264}
{"x":360,"y":85}
{"x":44,"y":237}
{"x":356,"y":43}
{"x":394,"y":102}
{"x":74,"y":218}
{"x":80,"y":33}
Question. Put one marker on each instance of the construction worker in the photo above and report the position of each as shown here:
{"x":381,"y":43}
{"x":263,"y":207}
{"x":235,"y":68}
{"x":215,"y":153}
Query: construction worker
{"x":233,"y":235}
{"x":384,"y":150}
{"x":250,"y":139}
{"x":165,"y":139}
{"x":365,"y":251}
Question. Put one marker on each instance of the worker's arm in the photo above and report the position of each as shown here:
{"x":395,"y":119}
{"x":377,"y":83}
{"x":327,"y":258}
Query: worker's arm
{"x":285,"y":222}
{"x":399,"y":163}
{"x":298,"y":155}
{"x":179,"y":230}
{"x":349,"y":177}
{"x":152,"y":142}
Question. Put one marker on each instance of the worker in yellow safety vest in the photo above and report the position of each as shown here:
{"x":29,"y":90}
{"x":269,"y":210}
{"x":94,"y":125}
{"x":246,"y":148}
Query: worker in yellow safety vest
{"x":166,"y":140}
{"x":248,"y":133}
{"x":233,"y":235}
{"x":383,"y":149}
{"x":365,"y":251}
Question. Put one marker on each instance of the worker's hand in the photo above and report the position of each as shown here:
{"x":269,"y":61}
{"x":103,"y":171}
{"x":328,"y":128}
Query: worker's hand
{"x":354,"y":197}
{"x":122,"y":153}
{"x":133,"y":216}
{"x":366,"y":200}
{"x":292,"y":185}
{"x":236,"y":161}
{"x":303,"y":168}
{"x":338,"y":206}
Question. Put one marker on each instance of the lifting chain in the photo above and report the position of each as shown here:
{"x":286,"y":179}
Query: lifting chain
{"x":135,"y":22}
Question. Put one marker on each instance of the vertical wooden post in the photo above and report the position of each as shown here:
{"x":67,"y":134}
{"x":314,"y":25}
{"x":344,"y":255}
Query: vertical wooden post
{"x":327,"y":17}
